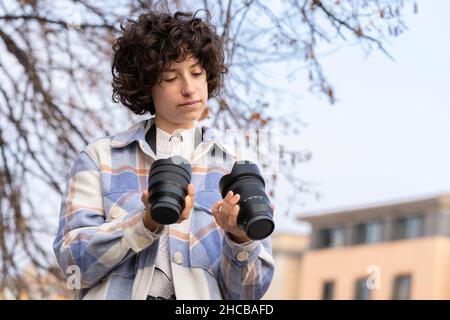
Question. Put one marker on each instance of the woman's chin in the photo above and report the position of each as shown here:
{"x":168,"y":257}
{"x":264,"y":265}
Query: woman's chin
{"x":186,"y":121}
{"x":191,"y":116}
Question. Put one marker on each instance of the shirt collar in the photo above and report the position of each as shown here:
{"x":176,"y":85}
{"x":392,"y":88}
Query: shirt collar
{"x":187,"y":135}
{"x":137,"y":133}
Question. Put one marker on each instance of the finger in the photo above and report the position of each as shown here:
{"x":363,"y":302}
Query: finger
{"x":228,"y":196}
{"x":219,"y":221}
{"x":185,"y":214}
{"x":144,"y":197}
{"x":218,"y":215}
{"x":189,"y":198}
{"x":227,"y":199}
{"x":235,"y":199}
{"x":215,"y":208}
{"x":189,"y":204}
{"x":182,"y":217}
{"x":226,"y":208}
{"x":191,"y":190}
{"x":229,"y":204}
{"x":232,"y":218}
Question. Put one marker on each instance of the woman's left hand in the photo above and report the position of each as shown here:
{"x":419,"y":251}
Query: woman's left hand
{"x":225,"y":211}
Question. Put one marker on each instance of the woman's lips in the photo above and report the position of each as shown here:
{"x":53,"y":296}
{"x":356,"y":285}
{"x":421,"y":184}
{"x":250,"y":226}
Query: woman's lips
{"x":189,"y":104}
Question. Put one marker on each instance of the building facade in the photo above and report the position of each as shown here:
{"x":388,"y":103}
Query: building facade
{"x":393,"y":251}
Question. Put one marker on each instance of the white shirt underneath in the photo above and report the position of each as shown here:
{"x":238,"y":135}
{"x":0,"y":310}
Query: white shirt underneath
{"x":180,"y":143}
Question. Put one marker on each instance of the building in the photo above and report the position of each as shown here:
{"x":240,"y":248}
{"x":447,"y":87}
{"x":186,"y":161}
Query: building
{"x":288,"y":250}
{"x":391,"y":251}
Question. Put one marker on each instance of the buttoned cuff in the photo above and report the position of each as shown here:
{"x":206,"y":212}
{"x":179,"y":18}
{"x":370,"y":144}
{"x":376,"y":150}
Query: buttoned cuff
{"x":138,"y":236}
{"x":240,"y":253}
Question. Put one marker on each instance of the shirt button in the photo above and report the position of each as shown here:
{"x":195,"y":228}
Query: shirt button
{"x":178,"y":257}
{"x":142,"y":242}
{"x":242,"y":256}
{"x":116,"y":214}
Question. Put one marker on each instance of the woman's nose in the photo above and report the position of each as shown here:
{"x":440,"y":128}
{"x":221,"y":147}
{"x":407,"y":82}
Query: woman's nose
{"x":187,"y":89}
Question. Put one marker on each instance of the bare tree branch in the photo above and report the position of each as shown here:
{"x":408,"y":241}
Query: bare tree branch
{"x":55,"y":93}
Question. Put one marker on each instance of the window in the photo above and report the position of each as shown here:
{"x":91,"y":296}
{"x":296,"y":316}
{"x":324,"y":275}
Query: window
{"x":402,"y":287}
{"x":328,"y":290}
{"x":370,"y":232}
{"x":331,"y":237}
{"x":362,"y":291}
{"x":408,"y":228}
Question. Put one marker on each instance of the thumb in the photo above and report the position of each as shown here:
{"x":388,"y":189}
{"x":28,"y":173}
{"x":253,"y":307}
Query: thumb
{"x":145,"y":196}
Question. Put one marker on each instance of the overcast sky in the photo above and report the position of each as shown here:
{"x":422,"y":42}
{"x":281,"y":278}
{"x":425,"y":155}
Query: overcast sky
{"x":387,"y":139}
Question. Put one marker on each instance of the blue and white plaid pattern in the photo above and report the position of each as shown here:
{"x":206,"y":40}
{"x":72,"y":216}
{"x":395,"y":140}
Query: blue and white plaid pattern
{"x":101,"y":231}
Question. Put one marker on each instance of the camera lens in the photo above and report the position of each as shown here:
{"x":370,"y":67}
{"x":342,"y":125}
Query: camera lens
{"x":167,"y":185}
{"x":255,"y":214}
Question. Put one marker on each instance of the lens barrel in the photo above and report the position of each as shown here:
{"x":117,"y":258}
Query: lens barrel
{"x":167,"y":185}
{"x":255,"y":214}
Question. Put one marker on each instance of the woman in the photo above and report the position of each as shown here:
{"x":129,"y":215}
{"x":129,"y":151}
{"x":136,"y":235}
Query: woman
{"x":107,"y":243}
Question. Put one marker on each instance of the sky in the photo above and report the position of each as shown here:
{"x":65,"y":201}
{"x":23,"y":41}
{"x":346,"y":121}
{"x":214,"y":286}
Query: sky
{"x":387,"y":138}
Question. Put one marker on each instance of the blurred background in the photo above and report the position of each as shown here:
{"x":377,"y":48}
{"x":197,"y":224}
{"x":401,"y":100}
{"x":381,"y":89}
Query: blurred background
{"x":357,"y":91}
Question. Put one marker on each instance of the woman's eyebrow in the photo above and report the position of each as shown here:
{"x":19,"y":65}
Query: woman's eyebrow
{"x":176,"y":69}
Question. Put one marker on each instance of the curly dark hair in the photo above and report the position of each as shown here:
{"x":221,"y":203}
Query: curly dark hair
{"x":148,"y":45}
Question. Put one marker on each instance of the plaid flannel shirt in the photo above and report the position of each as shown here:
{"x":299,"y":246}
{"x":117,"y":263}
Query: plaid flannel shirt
{"x":102,"y":242}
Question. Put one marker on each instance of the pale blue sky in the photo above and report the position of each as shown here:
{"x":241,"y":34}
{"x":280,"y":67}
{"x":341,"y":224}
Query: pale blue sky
{"x":388,"y":136}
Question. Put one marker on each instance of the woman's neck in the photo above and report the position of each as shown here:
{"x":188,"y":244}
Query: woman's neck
{"x":171,"y":127}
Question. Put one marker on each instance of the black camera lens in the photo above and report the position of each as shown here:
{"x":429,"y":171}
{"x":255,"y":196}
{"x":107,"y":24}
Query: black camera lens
{"x":255,"y":214}
{"x":167,"y":185}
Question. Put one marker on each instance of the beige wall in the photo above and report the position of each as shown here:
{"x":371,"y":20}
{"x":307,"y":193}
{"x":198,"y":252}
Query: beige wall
{"x":287,"y":250}
{"x":427,"y":259}
{"x":442,"y":270}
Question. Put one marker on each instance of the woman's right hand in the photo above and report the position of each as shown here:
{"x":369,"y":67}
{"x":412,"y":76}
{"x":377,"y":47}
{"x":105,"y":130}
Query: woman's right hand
{"x":153,"y":226}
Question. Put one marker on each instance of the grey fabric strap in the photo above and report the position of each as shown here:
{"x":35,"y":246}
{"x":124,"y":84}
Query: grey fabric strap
{"x":162,"y":285}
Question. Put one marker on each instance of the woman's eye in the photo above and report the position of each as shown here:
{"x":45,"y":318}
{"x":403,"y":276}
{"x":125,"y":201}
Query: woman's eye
{"x":196,"y":74}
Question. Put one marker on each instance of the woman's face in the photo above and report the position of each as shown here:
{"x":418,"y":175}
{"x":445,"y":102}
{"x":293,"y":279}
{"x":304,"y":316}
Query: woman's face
{"x":180,"y":98}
